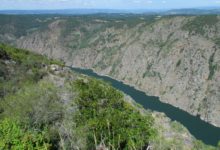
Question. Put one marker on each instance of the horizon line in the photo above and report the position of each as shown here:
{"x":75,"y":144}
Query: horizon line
{"x":208,"y":7}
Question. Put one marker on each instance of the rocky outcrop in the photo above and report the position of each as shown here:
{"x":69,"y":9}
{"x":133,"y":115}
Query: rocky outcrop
{"x":176,"y":58}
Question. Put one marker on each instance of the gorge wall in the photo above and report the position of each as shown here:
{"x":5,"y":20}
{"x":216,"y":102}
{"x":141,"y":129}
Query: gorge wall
{"x":174,"y":57}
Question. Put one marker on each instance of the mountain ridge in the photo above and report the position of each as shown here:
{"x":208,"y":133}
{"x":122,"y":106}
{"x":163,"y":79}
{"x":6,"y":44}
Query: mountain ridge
{"x":180,"y":11}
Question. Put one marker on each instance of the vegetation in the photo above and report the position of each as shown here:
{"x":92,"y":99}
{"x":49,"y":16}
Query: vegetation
{"x":217,"y":41}
{"x":23,"y":67}
{"x":27,"y":100}
{"x":15,"y":136}
{"x":178,"y":63}
{"x":212,"y":66}
{"x":198,"y":145}
{"x":107,"y":118}
{"x":83,"y":30}
{"x":24,"y":24}
{"x":26,"y":58}
{"x":199,"y":23}
{"x":33,"y":114}
{"x":40,"y":119}
{"x":35,"y":104}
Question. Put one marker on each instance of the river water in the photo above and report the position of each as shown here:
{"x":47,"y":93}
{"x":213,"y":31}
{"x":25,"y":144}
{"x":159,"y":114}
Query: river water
{"x":200,"y":129}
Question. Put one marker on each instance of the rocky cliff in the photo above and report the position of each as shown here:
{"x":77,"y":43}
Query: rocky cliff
{"x":174,"y":57}
{"x":56,"y":108}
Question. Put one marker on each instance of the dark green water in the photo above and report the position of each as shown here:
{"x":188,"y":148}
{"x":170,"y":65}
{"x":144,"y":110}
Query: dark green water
{"x":201,"y":130}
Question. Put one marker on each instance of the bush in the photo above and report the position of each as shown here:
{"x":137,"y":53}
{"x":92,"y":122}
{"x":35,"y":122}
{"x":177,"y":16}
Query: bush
{"x":28,"y":59}
{"x":22,"y":66}
{"x":198,"y":145}
{"x":107,"y":118}
{"x":212,"y":67}
{"x":35,"y":104}
{"x":14,"y":136}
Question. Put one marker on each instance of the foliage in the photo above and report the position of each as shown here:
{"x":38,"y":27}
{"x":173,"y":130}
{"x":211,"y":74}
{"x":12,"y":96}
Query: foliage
{"x":41,"y":120}
{"x":34,"y":101}
{"x":212,"y":66}
{"x":35,"y":104}
{"x":81,"y":31}
{"x":217,"y":41}
{"x":107,"y":118}
{"x":198,"y":23}
{"x":27,"y":58}
{"x":23,"y":67}
{"x":178,"y":63}
{"x":177,"y":126}
{"x":20,"y":25}
{"x":198,"y":145}
{"x":218,"y":146}
{"x":14,"y":136}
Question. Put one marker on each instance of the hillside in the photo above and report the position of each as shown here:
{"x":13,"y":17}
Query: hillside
{"x":174,"y":57}
{"x":45,"y":105}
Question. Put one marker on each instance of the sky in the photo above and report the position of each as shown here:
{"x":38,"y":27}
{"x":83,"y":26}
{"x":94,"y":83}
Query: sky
{"x":105,"y":4}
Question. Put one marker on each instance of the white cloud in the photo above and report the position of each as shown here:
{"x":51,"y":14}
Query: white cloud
{"x":164,"y":2}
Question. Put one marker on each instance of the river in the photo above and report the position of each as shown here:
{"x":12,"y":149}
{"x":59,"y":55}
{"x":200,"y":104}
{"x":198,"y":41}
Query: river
{"x":200,"y":129}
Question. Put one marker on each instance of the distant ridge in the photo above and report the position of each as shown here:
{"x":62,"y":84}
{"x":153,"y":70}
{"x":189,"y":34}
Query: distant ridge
{"x":193,"y":11}
{"x":185,"y":11}
{"x":76,"y":11}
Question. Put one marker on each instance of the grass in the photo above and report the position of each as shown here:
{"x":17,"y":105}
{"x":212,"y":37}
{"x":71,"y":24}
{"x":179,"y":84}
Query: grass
{"x":27,"y":58}
{"x":26,"y":67}
{"x":34,"y":102}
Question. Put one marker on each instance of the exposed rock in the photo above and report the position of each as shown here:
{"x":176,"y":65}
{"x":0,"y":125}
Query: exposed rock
{"x":175,"y":58}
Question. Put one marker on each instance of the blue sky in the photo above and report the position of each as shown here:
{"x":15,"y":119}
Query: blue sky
{"x":106,"y":4}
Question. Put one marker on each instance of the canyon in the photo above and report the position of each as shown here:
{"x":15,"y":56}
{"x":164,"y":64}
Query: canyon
{"x":173,"y":57}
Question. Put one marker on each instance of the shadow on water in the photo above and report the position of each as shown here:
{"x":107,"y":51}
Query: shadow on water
{"x":200,"y":129}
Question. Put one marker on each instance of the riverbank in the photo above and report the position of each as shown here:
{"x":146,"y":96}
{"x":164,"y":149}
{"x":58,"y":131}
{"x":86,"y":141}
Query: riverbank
{"x":194,"y":124}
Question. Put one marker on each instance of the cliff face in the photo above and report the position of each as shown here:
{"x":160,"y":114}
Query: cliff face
{"x":176,"y":58}
{"x":44,"y":96}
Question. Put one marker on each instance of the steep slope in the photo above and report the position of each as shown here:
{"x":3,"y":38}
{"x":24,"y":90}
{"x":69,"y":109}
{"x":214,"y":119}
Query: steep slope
{"x":173,"y":57}
{"x":44,"y":105}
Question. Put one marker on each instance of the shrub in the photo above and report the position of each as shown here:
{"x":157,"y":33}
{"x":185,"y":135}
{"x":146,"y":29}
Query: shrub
{"x":14,"y":136}
{"x":27,"y":58}
{"x":107,"y":118}
{"x":212,"y":67}
{"x":35,"y":104}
